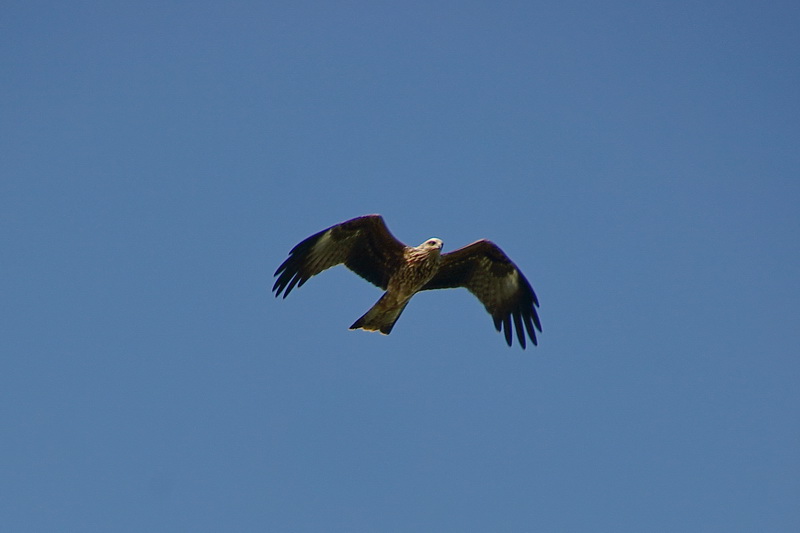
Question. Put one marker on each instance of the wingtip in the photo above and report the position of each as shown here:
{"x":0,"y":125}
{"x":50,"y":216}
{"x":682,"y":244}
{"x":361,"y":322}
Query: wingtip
{"x":507,"y":330}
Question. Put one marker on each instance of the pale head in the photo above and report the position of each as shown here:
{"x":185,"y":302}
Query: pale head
{"x":431,"y":245}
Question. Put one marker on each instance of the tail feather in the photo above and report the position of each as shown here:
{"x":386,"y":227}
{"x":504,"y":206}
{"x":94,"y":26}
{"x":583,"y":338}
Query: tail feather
{"x":381,"y":317}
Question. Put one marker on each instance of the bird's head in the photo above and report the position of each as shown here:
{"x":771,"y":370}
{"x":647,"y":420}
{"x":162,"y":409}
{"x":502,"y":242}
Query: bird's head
{"x":432,"y":245}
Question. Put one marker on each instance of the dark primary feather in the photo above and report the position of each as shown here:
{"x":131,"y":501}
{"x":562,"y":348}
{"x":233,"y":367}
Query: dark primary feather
{"x":484,"y":270}
{"x":363,"y":244}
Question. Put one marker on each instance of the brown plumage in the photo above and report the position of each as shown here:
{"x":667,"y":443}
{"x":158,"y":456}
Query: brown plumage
{"x":366,"y":247}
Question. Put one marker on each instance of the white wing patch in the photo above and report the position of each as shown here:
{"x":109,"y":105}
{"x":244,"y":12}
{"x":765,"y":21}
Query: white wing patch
{"x":321,"y":245}
{"x":325,"y":253}
{"x":511,"y":282}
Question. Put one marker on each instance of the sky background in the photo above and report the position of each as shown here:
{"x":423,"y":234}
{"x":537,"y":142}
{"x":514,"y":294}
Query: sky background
{"x":639,"y":161}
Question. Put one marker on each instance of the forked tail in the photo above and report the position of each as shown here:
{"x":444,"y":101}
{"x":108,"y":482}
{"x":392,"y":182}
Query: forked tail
{"x":381,"y":316}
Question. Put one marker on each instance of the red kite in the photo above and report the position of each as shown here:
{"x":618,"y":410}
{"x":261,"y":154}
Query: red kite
{"x":366,"y":247}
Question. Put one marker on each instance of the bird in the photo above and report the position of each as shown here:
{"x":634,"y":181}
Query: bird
{"x":367,"y":247}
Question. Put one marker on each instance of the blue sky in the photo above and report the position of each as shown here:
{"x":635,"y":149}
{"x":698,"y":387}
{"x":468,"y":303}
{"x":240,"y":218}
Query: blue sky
{"x":638,"y":161}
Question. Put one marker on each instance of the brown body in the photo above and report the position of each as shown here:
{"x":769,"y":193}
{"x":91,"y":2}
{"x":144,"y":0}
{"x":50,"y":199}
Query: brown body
{"x":421,"y":265}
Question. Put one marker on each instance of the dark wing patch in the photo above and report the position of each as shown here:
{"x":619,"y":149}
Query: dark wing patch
{"x":495,"y":280}
{"x":363,"y":244}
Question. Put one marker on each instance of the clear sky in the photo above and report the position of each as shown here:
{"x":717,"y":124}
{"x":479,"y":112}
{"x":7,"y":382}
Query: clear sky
{"x":640,"y":162}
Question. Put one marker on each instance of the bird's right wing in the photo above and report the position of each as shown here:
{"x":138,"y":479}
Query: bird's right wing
{"x":363,"y":244}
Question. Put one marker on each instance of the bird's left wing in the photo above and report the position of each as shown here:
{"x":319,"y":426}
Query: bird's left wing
{"x":363,"y":244}
{"x":495,"y":280}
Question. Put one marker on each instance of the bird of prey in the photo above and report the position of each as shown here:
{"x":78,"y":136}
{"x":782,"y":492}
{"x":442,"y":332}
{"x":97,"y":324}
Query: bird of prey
{"x":366,"y":247}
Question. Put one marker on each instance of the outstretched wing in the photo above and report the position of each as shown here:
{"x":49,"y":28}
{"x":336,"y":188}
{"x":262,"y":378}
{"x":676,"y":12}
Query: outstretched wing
{"x":363,"y":244}
{"x":495,"y":280}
